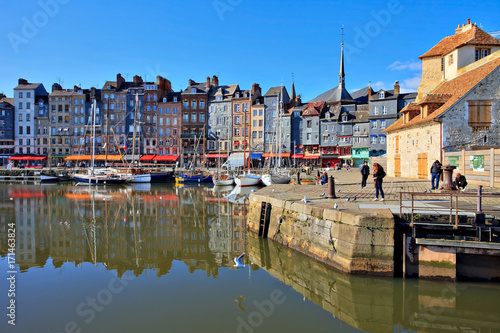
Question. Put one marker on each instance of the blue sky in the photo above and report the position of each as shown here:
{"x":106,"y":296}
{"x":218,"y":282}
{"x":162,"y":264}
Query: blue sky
{"x":241,"y":41}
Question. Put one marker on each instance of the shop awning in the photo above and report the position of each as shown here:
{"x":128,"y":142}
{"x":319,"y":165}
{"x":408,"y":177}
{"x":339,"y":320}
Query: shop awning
{"x":311,"y":157}
{"x":96,"y":157}
{"x":216,"y":155}
{"x":27,"y":158}
{"x":256,"y":156}
{"x":297,"y":156}
{"x":274,"y":155}
{"x":146,"y":158}
{"x":166,"y":158}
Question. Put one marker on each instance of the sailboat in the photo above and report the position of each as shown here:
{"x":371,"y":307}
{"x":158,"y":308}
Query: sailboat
{"x":136,"y":175}
{"x":191,"y":176}
{"x":248,"y":179}
{"x":99,"y":176}
{"x":222,"y":179}
{"x":277,"y":174}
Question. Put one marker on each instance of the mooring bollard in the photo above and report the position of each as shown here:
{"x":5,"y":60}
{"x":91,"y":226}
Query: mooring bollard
{"x":297,"y":181}
{"x":331,"y":188}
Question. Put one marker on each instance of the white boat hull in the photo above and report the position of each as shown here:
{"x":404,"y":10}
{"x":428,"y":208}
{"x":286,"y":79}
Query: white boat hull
{"x":269,"y":179}
{"x":145,"y":178}
{"x":247,"y":180}
{"x":223,"y":182}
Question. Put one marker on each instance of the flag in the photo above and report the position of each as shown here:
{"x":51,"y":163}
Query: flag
{"x":125,"y":147}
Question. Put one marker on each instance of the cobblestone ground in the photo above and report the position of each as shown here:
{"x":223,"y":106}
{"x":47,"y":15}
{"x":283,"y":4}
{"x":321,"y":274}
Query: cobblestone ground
{"x":348,"y":186}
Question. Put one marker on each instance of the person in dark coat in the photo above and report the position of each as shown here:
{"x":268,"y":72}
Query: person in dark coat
{"x":436,"y":172}
{"x":365,"y":172}
{"x":460,"y":182}
{"x":324,"y":178}
{"x":378,"y":176}
{"x":318,"y":177}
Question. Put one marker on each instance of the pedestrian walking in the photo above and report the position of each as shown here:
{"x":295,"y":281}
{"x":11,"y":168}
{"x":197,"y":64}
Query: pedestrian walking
{"x":365,"y":172}
{"x":318,"y":176}
{"x":378,"y":176}
{"x":436,"y":172}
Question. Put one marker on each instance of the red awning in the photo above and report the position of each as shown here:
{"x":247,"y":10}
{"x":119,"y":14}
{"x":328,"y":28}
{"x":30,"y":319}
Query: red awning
{"x":166,"y":158}
{"x":216,"y":155}
{"x":311,"y":157}
{"x":297,"y":155}
{"x":145,"y":158}
{"x":27,"y":158}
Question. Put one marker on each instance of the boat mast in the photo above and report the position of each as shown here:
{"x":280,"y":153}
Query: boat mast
{"x":107,"y":135}
{"x":135,"y":128}
{"x":50,"y":149}
{"x":93,"y":136}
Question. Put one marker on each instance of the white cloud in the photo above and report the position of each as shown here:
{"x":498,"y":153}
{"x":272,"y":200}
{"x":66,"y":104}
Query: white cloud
{"x":411,"y":84}
{"x":378,"y":84}
{"x":409,"y":65}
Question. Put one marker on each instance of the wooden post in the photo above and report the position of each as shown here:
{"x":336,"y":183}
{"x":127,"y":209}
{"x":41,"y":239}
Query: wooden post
{"x":492,"y":167}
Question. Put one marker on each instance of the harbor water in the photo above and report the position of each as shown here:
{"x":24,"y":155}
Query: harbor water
{"x":161,"y":258}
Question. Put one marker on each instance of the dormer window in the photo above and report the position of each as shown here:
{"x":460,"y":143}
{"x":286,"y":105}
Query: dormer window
{"x":175,"y":99}
{"x":381,"y":94}
{"x":481,"y":53}
{"x":344,"y":118}
{"x":218,"y":98}
{"x":109,"y":87}
{"x":164,"y":100}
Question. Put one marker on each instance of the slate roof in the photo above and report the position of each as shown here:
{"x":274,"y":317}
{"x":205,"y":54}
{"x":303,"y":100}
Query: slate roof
{"x":275,"y":91}
{"x":8,"y":101}
{"x":361,"y":95}
{"x":455,"y":88}
{"x":29,"y":86}
{"x":334,"y":95}
{"x":227,"y":91}
{"x":473,"y":36}
{"x":201,"y":88}
{"x":361,"y":116}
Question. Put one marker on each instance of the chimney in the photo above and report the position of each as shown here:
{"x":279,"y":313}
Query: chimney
{"x":119,"y":80}
{"x":137,"y":80}
{"x":76,"y":88}
{"x":22,"y":81}
{"x":167,"y":85}
{"x":191,"y":82}
{"x":299,"y":100}
{"x":93,"y":92}
{"x":215,"y":81}
{"x":56,"y":86}
{"x":2,"y":96}
{"x":208,"y":82}
{"x":468,"y":21}
{"x":256,"y":91}
{"x":396,"y":88}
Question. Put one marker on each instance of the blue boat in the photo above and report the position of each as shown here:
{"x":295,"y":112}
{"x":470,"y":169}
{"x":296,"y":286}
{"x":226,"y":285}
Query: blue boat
{"x":194,"y":179}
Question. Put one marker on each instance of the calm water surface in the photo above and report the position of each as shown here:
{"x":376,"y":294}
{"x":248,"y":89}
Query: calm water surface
{"x":160,"y":259}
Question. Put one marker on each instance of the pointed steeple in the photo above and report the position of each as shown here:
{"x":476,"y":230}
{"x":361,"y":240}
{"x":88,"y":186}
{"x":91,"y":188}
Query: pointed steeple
{"x":342,"y":74}
{"x":293,"y":95}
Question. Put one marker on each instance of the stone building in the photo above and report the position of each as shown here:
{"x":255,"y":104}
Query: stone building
{"x":26,"y":96}
{"x":219,"y":122}
{"x":6,"y":128}
{"x":194,"y":111}
{"x":452,"y":112}
{"x":272,"y":100}
{"x":153,"y":95}
{"x":384,"y":110}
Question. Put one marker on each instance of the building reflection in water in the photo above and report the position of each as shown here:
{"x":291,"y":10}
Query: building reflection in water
{"x":123,"y":228}
{"x":127,"y":229}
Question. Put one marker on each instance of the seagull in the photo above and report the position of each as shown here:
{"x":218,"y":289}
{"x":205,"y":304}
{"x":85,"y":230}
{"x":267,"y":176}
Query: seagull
{"x":305,"y":199}
{"x":425,"y":191}
{"x":354,"y":199}
{"x":273,"y":189}
{"x":338,"y":190}
{"x":348,"y":199}
{"x":239,"y":300}
{"x":335,"y":206}
{"x":322,"y":194}
{"x":237,"y":261}
{"x":255,"y":191}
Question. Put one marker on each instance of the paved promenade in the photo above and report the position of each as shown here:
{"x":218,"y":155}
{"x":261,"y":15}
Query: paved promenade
{"x":348,"y":186}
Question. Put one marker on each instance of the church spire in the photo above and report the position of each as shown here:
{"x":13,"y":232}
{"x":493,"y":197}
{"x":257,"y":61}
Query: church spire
{"x":342,"y":74}
{"x":293,"y":95}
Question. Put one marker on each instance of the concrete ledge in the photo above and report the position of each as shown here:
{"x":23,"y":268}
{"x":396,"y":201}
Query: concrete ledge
{"x":455,"y":243}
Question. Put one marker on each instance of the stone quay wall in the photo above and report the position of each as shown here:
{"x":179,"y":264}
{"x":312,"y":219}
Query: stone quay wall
{"x":360,"y":242}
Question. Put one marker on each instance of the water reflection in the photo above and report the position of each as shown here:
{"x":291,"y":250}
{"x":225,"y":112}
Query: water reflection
{"x":138,"y":229}
{"x":382,"y":304}
{"x":124,"y":228}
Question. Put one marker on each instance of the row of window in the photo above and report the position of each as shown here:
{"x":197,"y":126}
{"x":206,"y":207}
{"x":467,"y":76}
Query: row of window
{"x":167,"y":111}
{"x":194,"y":117}
{"x":194,"y":104}
{"x":28,"y":94}
{"x":376,"y":110}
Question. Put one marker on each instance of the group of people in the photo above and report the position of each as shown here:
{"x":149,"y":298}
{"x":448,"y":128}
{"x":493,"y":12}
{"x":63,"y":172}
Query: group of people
{"x":459,"y":183}
{"x":378,"y":176}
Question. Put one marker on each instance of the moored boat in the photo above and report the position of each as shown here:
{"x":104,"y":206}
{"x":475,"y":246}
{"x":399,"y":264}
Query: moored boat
{"x":248,"y":180}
